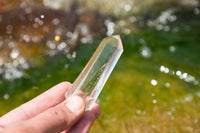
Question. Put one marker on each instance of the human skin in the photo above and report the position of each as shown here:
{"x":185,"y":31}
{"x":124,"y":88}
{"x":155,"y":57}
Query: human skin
{"x":50,"y":112}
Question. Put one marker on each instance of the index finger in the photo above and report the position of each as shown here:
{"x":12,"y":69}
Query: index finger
{"x":48,"y":99}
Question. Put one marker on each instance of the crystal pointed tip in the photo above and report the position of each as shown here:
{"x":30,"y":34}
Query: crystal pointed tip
{"x":120,"y":46}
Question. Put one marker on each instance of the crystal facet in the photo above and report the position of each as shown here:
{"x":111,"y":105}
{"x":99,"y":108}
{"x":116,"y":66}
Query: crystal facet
{"x":95,"y":74}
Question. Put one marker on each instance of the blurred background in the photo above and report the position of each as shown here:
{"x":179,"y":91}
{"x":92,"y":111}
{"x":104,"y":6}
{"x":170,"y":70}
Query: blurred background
{"x":155,"y":86}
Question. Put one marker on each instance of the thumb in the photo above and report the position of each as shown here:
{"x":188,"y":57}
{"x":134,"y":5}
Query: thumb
{"x":53,"y":120}
{"x":59,"y":117}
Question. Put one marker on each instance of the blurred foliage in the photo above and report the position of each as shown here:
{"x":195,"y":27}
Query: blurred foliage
{"x":124,"y":8}
{"x":117,"y":8}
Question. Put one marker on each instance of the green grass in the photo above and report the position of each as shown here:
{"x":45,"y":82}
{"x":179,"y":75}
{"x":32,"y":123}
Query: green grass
{"x":127,"y":98}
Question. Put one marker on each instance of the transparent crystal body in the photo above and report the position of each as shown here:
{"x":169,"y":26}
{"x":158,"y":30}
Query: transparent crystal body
{"x":95,"y":74}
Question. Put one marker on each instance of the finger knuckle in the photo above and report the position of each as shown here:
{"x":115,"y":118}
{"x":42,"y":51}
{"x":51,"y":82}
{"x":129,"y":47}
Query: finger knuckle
{"x":59,"y":115}
{"x":65,"y":83}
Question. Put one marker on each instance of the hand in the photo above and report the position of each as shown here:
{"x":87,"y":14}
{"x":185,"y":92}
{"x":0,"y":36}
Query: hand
{"x":51,"y":113}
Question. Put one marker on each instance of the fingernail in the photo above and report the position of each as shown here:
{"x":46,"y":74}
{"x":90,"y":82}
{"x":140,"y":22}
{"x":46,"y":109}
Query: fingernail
{"x":75,"y":104}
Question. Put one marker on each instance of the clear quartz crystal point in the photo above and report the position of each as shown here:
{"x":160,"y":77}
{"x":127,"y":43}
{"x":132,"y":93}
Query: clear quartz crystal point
{"x":95,"y":74}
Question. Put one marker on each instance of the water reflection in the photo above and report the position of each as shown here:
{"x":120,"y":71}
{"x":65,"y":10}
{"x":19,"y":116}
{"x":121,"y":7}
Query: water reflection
{"x":154,"y":82}
{"x":110,"y":27}
{"x":182,"y":75}
{"x":154,"y":101}
{"x":189,"y":98}
{"x":6,"y":96}
{"x":196,"y":11}
{"x":172,"y":48}
{"x":127,"y":7}
{"x":145,"y":51}
{"x":30,"y":33}
{"x":167,"y":85}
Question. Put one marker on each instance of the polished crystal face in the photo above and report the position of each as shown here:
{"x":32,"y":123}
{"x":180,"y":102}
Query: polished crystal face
{"x":95,"y":74}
